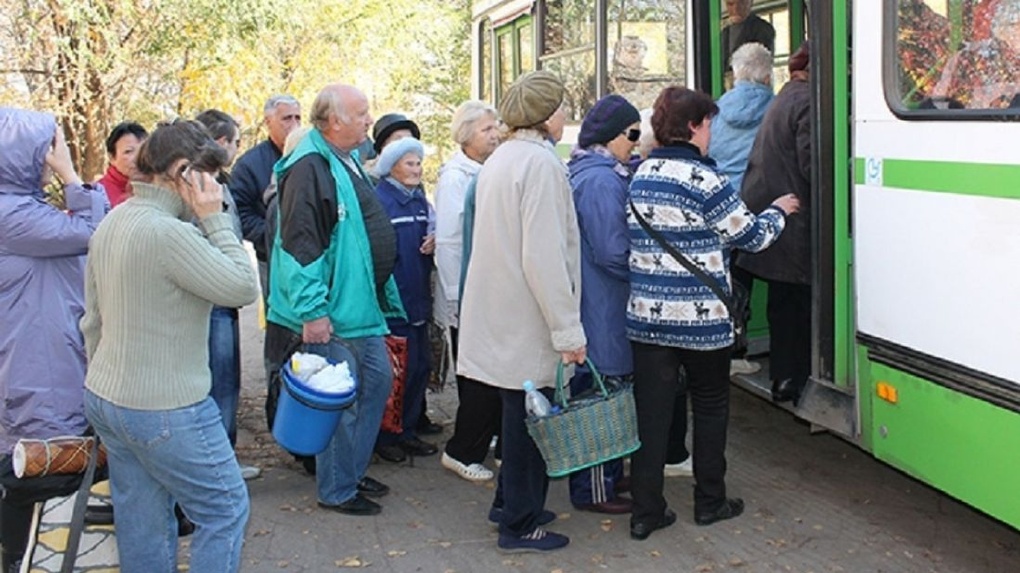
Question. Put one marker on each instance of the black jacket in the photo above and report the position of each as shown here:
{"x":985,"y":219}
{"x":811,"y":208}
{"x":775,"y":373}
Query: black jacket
{"x":248,"y":182}
{"x":752,"y":29}
{"x":780,"y":163}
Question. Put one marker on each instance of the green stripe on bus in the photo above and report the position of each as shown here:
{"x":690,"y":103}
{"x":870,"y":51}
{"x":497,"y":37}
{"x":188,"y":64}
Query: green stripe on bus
{"x":977,"y":179}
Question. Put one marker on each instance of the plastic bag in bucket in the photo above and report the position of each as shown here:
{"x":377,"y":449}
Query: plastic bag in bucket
{"x":306,"y":418}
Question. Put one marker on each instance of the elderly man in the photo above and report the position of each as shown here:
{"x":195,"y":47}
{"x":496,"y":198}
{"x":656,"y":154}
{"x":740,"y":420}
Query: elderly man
{"x":251,"y":173}
{"x":332,"y":288}
{"x":745,"y":27}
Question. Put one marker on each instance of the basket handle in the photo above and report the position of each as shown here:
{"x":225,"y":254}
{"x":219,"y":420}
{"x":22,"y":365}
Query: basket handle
{"x":561,"y":392}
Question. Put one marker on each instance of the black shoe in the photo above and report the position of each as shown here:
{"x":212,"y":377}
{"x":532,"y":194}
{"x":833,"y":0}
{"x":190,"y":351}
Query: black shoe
{"x":392,"y":453}
{"x":357,"y":505}
{"x":427,"y":427}
{"x":308,"y":462}
{"x":416,"y":447}
{"x":642,"y":529}
{"x":730,"y":508}
{"x":372,"y":488}
{"x":786,"y":390}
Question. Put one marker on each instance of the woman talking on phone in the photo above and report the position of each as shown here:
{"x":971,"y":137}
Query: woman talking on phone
{"x":151,"y":280}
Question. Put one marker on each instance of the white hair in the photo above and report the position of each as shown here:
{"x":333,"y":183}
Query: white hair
{"x":752,"y":62}
{"x":467,"y":115}
{"x":647,"y":140}
{"x":278,"y":100}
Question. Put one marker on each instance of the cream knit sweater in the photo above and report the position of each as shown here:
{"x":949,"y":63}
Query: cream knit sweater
{"x":150,"y":282}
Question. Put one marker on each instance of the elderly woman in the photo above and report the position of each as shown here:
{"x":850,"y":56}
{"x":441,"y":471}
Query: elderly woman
{"x":674,"y":320}
{"x":476,"y":131}
{"x":520,"y":315}
{"x":399,"y":170}
{"x":42,"y":267}
{"x":780,"y":163}
{"x":151,"y":280}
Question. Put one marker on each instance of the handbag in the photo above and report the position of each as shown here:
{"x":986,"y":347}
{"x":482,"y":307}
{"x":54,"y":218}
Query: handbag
{"x":393,"y":416}
{"x":588,"y":430}
{"x":736,"y":304}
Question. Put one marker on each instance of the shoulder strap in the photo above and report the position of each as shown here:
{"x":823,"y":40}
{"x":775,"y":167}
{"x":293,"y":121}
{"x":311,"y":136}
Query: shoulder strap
{"x":81,"y":501}
{"x":708,"y":281}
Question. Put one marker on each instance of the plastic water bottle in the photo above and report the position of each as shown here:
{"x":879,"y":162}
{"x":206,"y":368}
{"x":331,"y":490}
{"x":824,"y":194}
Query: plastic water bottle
{"x":535,"y":403}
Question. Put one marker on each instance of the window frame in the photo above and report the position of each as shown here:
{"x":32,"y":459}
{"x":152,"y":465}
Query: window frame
{"x":890,"y":83}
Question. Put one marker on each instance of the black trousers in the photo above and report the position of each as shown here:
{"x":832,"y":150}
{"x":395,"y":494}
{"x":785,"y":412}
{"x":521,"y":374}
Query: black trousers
{"x":676,"y":449}
{"x":789,"y":314}
{"x":522,"y":484}
{"x":478,"y":418}
{"x":656,"y":383}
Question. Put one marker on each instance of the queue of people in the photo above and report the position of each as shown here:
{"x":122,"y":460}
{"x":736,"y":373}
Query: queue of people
{"x":346,"y":249}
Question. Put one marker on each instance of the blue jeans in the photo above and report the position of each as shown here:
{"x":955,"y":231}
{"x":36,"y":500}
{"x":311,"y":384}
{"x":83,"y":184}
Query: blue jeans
{"x":157,"y":457}
{"x":344,"y":462}
{"x":225,"y":366}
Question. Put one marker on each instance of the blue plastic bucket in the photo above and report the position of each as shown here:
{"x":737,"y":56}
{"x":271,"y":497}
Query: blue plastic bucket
{"x":307,"y":418}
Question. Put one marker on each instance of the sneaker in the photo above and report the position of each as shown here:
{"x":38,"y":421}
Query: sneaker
{"x":250,"y":472}
{"x":470,"y":472}
{"x":537,"y":541}
{"x":545,"y":517}
{"x":682,"y":469}
{"x":743,"y":366}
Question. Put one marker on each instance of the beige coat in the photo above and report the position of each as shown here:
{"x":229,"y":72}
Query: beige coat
{"x":522,"y":293}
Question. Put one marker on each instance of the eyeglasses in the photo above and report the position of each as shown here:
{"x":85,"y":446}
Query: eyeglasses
{"x":633,"y":135}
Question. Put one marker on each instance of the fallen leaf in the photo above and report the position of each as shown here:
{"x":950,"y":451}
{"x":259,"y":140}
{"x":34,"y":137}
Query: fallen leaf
{"x":395,"y":553}
{"x":607,"y":525}
{"x":351,"y":562}
{"x":445,"y":544}
{"x":655,"y":554}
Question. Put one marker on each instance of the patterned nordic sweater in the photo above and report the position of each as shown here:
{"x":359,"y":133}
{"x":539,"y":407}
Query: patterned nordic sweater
{"x":681,"y":195}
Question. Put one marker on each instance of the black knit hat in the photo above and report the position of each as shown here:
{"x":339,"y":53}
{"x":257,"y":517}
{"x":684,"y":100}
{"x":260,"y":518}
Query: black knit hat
{"x":610,"y":117}
{"x":387,"y":124}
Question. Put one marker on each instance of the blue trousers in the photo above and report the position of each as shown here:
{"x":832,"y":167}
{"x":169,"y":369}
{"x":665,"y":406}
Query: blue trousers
{"x":419,"y":366}
{"x":596,"y":484}
{"x":157,"y":457}
{"x":344,"y":462}
{"x":522,"y":484}
{"x":225,"y":366}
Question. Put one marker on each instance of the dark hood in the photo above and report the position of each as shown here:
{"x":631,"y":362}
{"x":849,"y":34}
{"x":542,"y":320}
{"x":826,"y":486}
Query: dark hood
{"x":25,"y":138}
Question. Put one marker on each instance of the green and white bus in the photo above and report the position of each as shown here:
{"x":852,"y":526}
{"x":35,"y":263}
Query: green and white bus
{"x":915,"y":208}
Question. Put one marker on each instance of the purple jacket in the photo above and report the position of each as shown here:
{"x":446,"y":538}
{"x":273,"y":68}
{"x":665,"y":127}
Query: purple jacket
{"x":42,"y":358}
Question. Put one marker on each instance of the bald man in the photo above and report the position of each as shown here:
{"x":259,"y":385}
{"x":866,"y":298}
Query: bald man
{"x":332,"y":290}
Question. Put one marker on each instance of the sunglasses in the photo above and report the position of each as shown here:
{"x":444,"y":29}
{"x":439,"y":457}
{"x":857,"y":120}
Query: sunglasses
{"x":633,"y":135}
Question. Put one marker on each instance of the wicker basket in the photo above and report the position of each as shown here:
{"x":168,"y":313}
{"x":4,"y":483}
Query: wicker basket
{"x":588,"y":431}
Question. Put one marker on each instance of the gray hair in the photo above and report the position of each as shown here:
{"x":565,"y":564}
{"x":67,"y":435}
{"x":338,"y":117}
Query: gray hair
{"x":327,"y":103}
{"x":647,"y":140}
{"x":465,"y":118}
{"x":752,"y":62}
{"x":278,"y":100}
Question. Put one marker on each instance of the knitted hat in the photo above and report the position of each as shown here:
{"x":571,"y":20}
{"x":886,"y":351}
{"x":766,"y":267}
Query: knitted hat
{"x":387,"y":124}
{"x":532,"y":99}
{"x":393,"y":153}
{"x":610,"y":117}
{"x":800,"y":59}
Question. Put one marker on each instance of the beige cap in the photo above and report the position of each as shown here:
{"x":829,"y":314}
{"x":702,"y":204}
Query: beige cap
{"x":532,"y":99}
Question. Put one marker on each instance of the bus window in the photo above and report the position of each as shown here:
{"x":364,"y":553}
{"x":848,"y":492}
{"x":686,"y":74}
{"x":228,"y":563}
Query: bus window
{"x":768,"y":23}
{"x":569,"y":52}
{"x":646,"y":48}
{"x":505,"y":57}
{"x":526,"y":43}
{"x":952,"y":55}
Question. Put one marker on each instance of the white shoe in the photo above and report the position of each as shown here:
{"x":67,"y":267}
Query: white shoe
{"x":250,"y":472}
{"x":682,"y":469}
{"x":743,"y":366}
{"x":473,"y":472}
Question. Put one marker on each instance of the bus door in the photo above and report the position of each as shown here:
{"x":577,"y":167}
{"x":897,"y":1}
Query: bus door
{"x":828,"y":401}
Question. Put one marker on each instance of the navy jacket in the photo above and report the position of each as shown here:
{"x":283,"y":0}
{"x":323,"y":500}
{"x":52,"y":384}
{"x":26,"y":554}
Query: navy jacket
{"x":248,"y":182}
{"x":600,"y":198}
{"x":409,"y":214}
